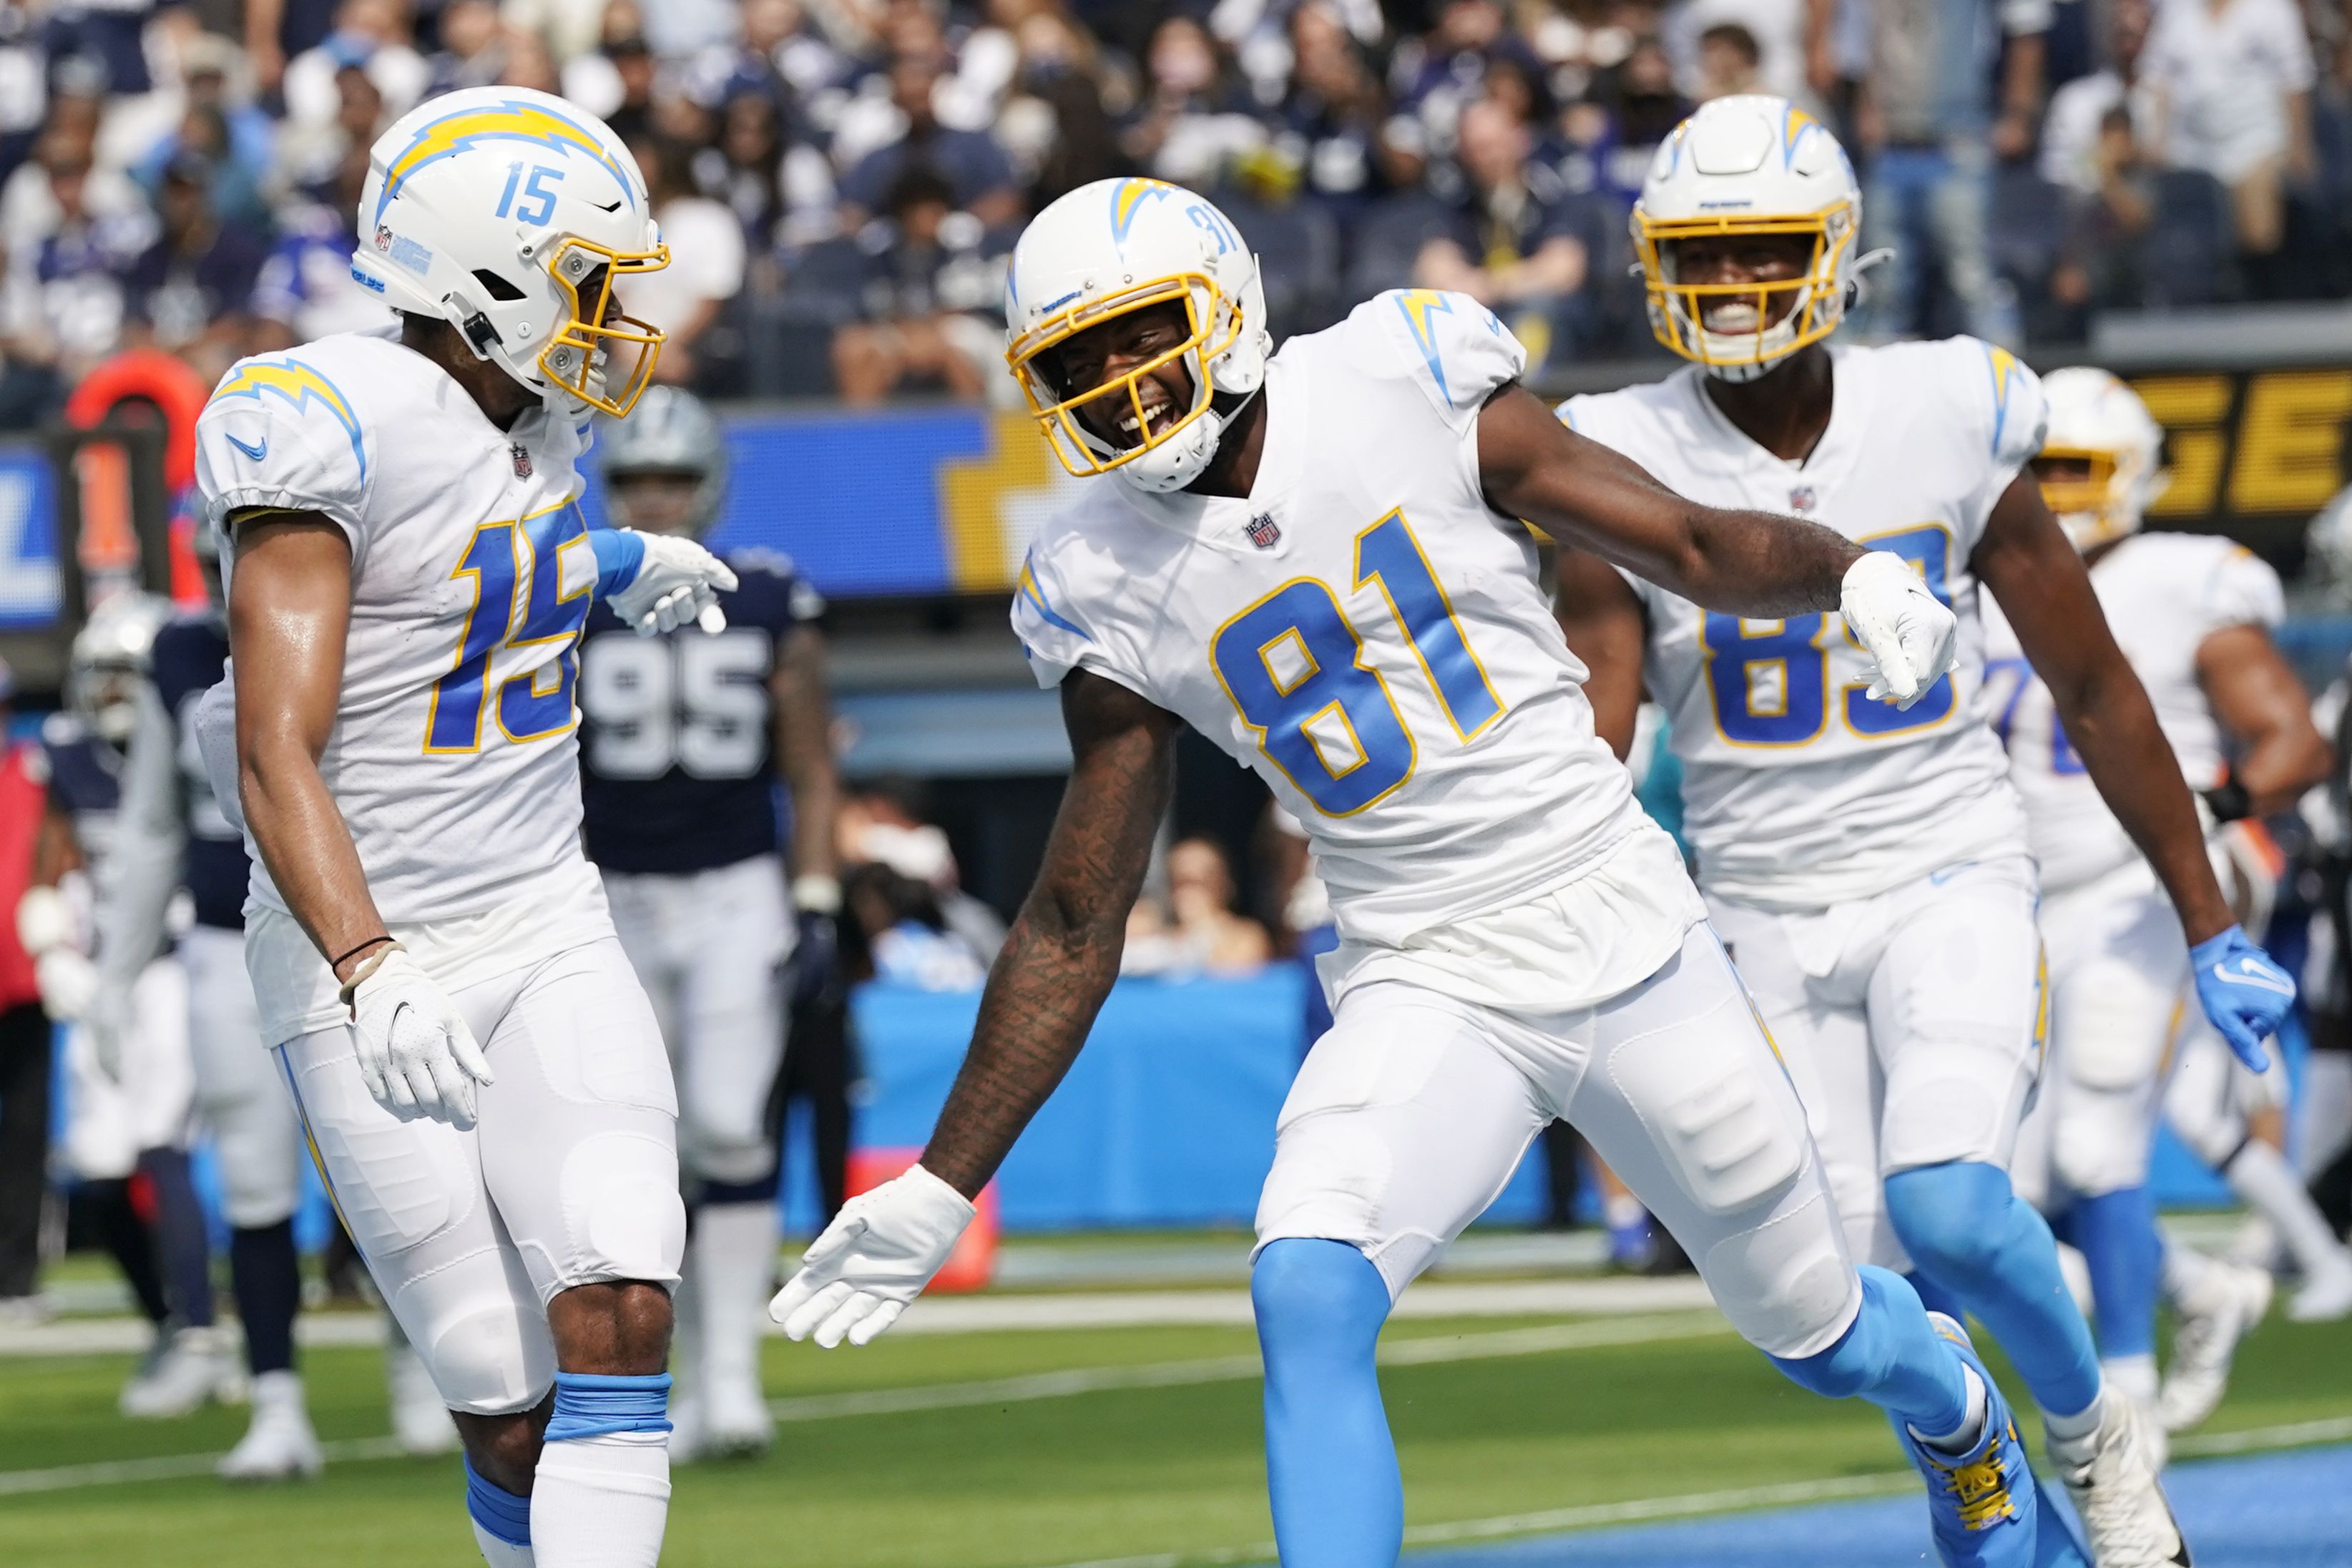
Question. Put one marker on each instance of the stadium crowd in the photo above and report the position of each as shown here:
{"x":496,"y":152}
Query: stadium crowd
{"x":840,"y":180}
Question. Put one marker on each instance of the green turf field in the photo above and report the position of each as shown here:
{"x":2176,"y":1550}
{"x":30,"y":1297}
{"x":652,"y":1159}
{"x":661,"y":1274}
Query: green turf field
{"x":1497,"y":1419}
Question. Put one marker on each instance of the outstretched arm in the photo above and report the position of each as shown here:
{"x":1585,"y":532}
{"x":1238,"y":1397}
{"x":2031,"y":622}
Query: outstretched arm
{"x":1591,"y":497}
{"x":2256,"y":696}
{"x":1062,"y":955}
{"x":1048,"y":982}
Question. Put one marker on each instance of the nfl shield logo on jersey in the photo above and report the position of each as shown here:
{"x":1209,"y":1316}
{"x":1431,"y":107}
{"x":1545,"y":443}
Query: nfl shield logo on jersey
{"x":1801,"y":498}
{"x":521,"y":461}
{"x":1263,"y":530}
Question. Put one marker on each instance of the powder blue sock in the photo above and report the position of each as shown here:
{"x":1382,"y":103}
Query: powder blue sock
{"x":1891,"y":1356}
{"x":2118,"y":1234}
{"x":1967,"y":1232}
{"x":502,"y":1515}
{"x":1330,"y":1464}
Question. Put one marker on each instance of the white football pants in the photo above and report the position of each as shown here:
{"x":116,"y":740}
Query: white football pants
{"x":239,"y":1095}
{"x":110,"y":1121}
{"x":1912,"y":1024}
{"x":569,"y":1178}
{"x":1412,"y":1112}
{"x":711,"y":947}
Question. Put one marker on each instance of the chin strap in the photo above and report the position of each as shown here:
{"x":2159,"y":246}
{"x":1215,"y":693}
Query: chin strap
{"x":1857,"y":287}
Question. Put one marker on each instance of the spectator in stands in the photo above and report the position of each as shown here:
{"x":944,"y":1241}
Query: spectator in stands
{"x":707,"y":265}
{"x":191,"y":292}
{"x":372,"y":34}
{"x":1335,"y":115}
{"x":306,"y":289}
{"x":617,"y":82}
{"x":2233,"y":80}
{"x":1513,"y":251}
{"x":1931,"y":133}
{"x":1200,"y":905}
{"x":1611,"y":135}
{"x":25,"y":1051}
{"x":1433,"y":78}
{"x":1056,"y":125}
{"x":1196,"y":118}
{"x":2099,"y":265}
{"x":1727,"y":62}
{"x":29,"y":211}
{"x":2073,"y":133}
{"x":747,"y":167}
{"x":975,"y":168}
{"x":906,"y":938}
{"x":309,"y":155}
{"x":932,"y":277}
{"x":526,"y":62}
{"x":471,"y":52}
{"x":63,"y":306}
{"x":219,"y":119}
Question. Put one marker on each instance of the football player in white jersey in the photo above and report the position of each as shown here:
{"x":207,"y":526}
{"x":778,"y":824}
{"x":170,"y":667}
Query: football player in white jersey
{"x":1866,"y":864}
{"x":2192,"y":613}
{"x":1314,"y":559}
{"x":475,"y":1063}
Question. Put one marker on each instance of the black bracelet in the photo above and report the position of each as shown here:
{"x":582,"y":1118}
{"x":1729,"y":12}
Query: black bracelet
{"x":335,"y":964}
{"x":2229,"y":801}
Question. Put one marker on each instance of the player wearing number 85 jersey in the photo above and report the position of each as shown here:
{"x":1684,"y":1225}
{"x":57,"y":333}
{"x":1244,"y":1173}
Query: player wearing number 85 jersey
{"x":475,"y":1064}
{"x":1313,"y":558}
{"x":684,"y":739}
{"x":1868,"y":865}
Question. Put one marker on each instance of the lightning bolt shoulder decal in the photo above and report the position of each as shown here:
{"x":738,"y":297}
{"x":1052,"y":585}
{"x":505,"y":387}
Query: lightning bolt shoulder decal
{"x":298,"y":387}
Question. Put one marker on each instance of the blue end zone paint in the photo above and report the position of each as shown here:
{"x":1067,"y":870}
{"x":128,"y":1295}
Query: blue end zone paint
{"x":2277,"y":1510}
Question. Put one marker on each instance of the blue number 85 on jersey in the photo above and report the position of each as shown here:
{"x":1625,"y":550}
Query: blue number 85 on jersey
{"x":1294,"y":665}
{"x":1769,"y":680}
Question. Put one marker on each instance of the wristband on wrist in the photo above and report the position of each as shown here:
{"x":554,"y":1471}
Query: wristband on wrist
{"x":817,"y":894}
{"x":366,"y":968}
{"x":2229,"y":801}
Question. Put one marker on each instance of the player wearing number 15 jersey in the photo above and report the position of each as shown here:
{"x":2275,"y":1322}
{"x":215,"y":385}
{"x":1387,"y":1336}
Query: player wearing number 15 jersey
{"x":684,"y":739}
{"x":476,"y":1065}
{"x":1313,"y":558}
{"x":1868,"y":865}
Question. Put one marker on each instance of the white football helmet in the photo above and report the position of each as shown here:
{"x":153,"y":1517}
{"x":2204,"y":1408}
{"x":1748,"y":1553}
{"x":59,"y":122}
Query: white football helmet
{"x":489,"y":207}
{"x":2096,"y":420}
{"x":111,"y":656}
{"x":672,"y":432}
{"x":1118,"y":246}
{"x":2327,"y":548}
{"x":1748,"y":164}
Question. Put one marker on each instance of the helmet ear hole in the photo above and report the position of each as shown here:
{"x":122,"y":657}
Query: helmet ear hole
{"x":496,"y":287}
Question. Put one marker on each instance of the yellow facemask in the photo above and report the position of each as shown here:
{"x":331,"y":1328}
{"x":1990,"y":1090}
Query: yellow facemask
{"x":569,"y":358}
{"x":1678,"y":311}
{"x":1079,"y":449}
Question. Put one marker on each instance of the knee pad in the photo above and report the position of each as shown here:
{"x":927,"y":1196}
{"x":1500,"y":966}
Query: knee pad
{"x":1956,"y":1220}
{"x":2103,"y":1139}
{"x":727,"y":1158}
{"x":1786,"y":1286}
{"x":261,"y":1179}
{"x":1315,"y":1295}
{"x":487,"y":1357}
{"x":621,"y":1211}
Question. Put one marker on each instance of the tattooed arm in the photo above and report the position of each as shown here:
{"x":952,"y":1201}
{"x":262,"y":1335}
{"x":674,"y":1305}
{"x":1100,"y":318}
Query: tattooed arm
{"x":1063,"y":953}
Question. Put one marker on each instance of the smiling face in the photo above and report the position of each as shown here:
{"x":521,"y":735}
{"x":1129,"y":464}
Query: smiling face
{"x":1772,"y":267}
{"x":1103,"y":355}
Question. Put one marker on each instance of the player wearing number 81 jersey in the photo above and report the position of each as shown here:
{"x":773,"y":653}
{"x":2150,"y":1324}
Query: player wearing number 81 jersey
{"x":683,"y":741}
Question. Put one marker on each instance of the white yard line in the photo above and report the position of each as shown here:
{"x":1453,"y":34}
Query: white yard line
{"x":997,"y":1313}
{"x":1694,"y":1504}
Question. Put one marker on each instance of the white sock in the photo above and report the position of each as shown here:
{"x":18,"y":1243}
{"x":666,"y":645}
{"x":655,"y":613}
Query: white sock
{"x":2061,"y":1428}
{"x":2133,"y":1376}
{"x":502,"y":1553}
{"x":1972,"y":1427}
{"x":2261,"y":1175}
{"x":602,"y":1502}
{"x":2189,"y":1275}
{"x":732,"y":1262}
{"x":2326,"y":1110}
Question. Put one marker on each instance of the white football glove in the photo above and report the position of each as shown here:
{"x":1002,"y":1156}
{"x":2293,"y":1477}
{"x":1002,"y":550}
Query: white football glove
{"x":415,"y":1052}
{"x":678,"y":582}
{"x":68,"y":983}
{"x":44,"y":921}
{"x":1910,"y":636}
{"x":875,"y":1258}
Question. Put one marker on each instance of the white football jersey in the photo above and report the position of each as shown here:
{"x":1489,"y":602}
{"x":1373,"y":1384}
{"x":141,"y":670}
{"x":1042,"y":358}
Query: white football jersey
{"x":2164,"y":595}
{"x":1799,"y":791}
{"x":452,"y":758}
{"x":1362,"y":630}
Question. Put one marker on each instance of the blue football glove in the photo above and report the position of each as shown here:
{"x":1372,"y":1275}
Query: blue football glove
{"x":2244,"y":993}
{"x":817,"y":958}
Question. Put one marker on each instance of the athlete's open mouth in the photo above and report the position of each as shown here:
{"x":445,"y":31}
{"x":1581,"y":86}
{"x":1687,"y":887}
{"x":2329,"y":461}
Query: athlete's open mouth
{"x":1729,"y":316}
{"x":1159,"y":413}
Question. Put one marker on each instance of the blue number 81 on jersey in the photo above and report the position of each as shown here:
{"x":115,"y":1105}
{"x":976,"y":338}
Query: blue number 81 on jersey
{"x":517,"y":604}
{"x":1770,"y":679}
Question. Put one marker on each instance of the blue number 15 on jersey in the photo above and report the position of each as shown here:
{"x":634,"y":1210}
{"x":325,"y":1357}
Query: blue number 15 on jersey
{"x":1294,"y":665}
{"x":519,"y":600}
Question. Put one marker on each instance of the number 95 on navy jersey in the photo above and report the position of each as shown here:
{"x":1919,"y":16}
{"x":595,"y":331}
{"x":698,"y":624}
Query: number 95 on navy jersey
{"x":676,"y":745}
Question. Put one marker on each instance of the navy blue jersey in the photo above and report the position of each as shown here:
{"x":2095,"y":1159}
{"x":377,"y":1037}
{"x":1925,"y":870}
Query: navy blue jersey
{"x":677,"y":753}
{"x":85,"y":782}
{"x":191,"y":656}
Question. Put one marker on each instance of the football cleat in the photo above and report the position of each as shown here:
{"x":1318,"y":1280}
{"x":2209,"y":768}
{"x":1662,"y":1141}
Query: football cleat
{"x":2226,"y":1304}
{"x":2110,"y":1476}
{"x":735,"y":1421}
{"x":2326,"y":1295}
{"x":1983,"y":1506}
{"x":187,"y":1369}
{"x":279,"y":1446}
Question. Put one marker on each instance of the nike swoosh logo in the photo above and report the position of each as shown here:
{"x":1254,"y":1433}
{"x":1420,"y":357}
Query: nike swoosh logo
{"x":2258,"y":975}
{"x":256,"y":453}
